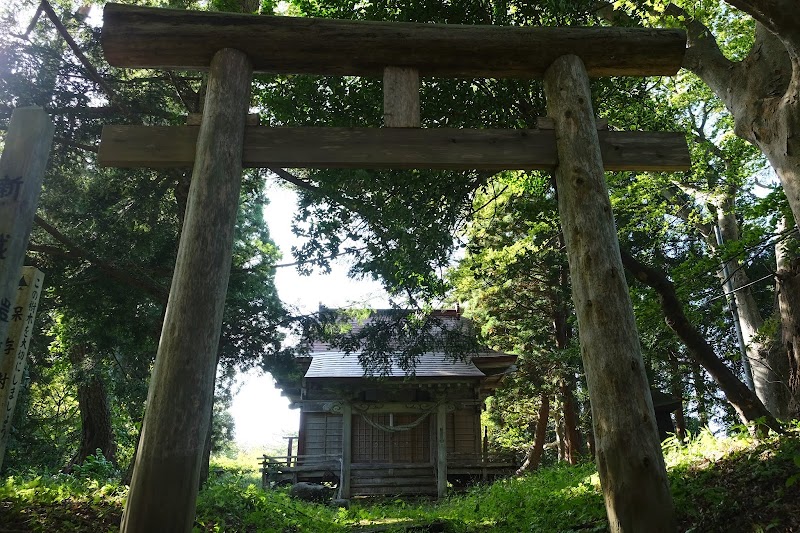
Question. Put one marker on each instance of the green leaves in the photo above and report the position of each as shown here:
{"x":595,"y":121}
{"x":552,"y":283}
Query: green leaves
{"x":794,"y":478}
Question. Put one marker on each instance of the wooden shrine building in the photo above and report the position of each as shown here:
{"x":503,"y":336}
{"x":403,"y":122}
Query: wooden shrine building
{"x":400,"y":433}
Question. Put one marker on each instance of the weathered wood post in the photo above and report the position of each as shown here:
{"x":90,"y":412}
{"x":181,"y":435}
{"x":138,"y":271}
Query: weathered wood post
{"x":629,"y":458}
{"x":289,"y":450}
{"x":15,"y":351}
{"x":166,"y":476}
{"x":441,"y":449}
{"x":22,"y":166}
{"x":401,"y":97}
{"x":347,"y":450}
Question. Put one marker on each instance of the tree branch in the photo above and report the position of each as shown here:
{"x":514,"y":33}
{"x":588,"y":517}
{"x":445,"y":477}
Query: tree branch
{"x":680,"y":200}
{"x":73,"y":144}
{"x":149,"y":286}
{"x":294,"y":180}
{"x":51,"y":14}
{"x":33,"y":22}
{"x":351,"y":251}
{"x":703,"y":56}
{"x":781,"y":17}
{"x":744,"y":400}
{"x":53,"y":251}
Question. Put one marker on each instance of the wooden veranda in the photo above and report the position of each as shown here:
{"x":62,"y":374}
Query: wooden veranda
{"x":384,"y":479}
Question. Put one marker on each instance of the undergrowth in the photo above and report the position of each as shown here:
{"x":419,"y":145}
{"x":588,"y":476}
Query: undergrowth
{"x":89,"y":499}
{"x":561,"y":498}
{"x":736,"y":484}
{"x":731,"y":484}
{"x":234,"y":501}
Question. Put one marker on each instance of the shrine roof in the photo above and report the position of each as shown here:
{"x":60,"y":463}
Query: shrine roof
{"x":330,"y":364}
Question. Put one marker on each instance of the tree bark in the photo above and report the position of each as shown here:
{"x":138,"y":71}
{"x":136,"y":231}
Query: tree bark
{"x":166,"y":476}
{"x":206,"y":462}
{"x":746,"y":403}
{"x":127,"y":476}
{"x":97,"y":432}
{"x":676,"y":388}
{"x":762,"y":92}
{"x":535,"y":451}
{"x":628,"y":448}
{"x":788,"y":289}
{"x":558,"y":426}
{"x":700,"y":395}
{"x":563,"y":333}
{"x":571,"y":437}
{"x":769,"y":374}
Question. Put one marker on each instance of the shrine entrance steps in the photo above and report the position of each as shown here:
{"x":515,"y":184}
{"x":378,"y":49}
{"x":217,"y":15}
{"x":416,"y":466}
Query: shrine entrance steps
{"x":392,"y":479}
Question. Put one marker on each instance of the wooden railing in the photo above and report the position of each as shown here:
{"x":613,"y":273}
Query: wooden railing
{"x":484,"y":466}
{"x":278,"y":469}
{"x":486,"y":458}
{"x":275,"y":469}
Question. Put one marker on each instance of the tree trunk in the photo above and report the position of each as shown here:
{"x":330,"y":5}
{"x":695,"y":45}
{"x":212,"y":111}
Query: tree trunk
{"x":127,"y":477}
{"x":571,"y":438}
{"x":563,"y":333}
{"x":205,"y":464}
{"x":700,"y":396}
{"x":788,"y":289}
{"x":590,"y":444}
{"x":559,"y":430}
{"x":746,"y":403}
{"x":680,"y":424}
{"x":769,"y":374}
{"x":676,"y":388}
{"x":628,"y":448}
{"x":535,"y":452}
{"x":97,"y":432}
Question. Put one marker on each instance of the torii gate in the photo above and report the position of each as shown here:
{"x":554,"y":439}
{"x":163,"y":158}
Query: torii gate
{"x":165,"y":481}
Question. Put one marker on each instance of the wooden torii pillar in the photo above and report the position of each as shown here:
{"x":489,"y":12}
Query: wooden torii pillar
{"x":164,"y":486}
{"x":166,"y":476}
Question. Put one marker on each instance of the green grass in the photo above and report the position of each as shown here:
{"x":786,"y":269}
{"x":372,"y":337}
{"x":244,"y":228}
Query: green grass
{"x":732,"y":484}
{"x":736,"y":484}
{"x":555,"y":499}
{"x":59,"y":502}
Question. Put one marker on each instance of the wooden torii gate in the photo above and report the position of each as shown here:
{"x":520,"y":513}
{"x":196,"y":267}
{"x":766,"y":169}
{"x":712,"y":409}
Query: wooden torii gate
{"x":165,"y":481}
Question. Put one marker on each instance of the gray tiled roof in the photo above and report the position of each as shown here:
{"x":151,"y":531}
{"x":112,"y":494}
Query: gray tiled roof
{"x":429,"y":365}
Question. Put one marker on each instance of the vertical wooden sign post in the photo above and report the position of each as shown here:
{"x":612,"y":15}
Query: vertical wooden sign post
{"x":166,"y":476}
{"x":629,"y":459}
{"x":347,"y":450}
{"x":22,"y":166}
{"x":13,"y":357}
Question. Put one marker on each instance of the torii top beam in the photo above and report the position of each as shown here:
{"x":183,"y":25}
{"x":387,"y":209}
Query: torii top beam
{"x":165,"y":38}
